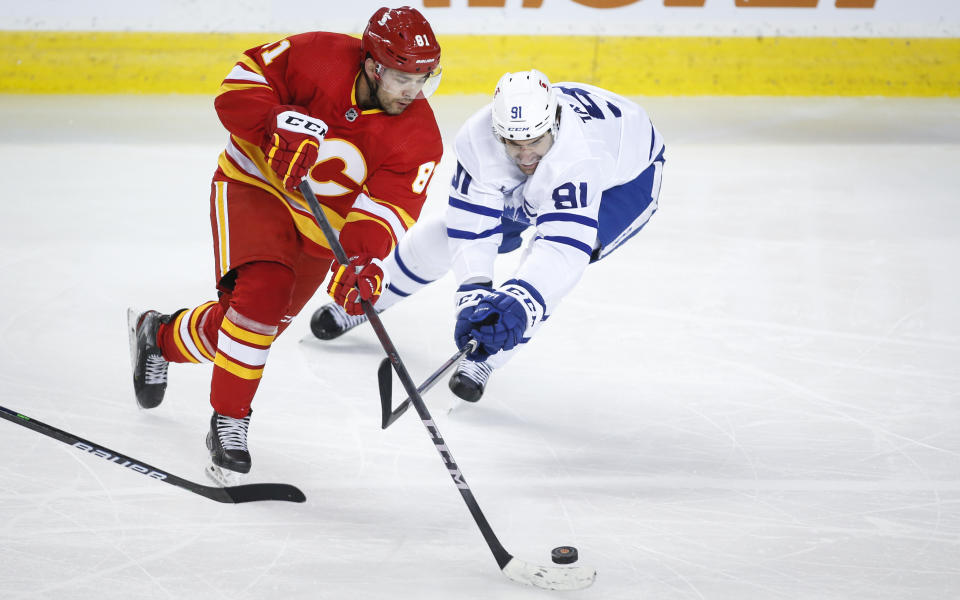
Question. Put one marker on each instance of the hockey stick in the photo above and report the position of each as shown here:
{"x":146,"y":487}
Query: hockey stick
{"x":254,"y":492}
{"x":550,"y":578}
{"x":385,"y":379}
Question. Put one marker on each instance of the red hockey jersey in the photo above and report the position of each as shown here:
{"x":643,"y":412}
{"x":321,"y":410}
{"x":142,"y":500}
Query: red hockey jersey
{"x":372,"y":169}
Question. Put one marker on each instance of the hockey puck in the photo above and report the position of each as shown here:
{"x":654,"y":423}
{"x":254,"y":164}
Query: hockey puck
{"x":564,"y":555}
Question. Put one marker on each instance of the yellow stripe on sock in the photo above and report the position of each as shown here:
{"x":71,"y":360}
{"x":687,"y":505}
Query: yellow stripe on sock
{"x":240,"y":371}
{"x":243,"y":335}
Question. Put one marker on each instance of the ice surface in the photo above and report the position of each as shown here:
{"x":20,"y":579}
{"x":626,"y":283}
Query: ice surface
{"x":757,"y":397}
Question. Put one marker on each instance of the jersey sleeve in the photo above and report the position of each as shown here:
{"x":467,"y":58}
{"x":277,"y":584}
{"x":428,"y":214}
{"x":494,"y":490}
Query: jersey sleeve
{"x":259,"y":82}
{"x":394,"y":194}
{"x":474,"y":213}
{"x":566,"y":231}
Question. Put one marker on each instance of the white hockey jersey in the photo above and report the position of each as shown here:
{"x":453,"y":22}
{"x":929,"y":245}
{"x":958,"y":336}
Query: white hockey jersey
{"x":604,"y":140}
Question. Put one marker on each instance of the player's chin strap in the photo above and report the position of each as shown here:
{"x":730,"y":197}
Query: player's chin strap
{"x":553,"y":578}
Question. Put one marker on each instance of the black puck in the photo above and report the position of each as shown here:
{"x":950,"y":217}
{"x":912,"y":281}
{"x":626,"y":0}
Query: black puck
{"x":564,"y":555}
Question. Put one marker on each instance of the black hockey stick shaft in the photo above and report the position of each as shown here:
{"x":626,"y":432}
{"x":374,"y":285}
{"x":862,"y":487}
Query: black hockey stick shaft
{"x":390,"y":415}
{"x":231,"y":495}
{"x":500,"y":554}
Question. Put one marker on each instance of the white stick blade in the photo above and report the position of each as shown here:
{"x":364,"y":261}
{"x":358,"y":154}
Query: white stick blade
{"x":549,"y":578}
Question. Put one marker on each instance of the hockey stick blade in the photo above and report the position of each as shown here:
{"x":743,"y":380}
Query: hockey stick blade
{"x":385,"y":383}
{"x":253,"y":492}
{"x":549,"y":578}
{"x":385,"y":380}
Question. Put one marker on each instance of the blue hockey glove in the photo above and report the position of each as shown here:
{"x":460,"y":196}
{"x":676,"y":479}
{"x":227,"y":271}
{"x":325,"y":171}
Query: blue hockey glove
{"x":467,"y":298}
{"x":501,"y":318}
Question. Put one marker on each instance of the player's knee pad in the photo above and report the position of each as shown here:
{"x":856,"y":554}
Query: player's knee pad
{"x":262,"y":291}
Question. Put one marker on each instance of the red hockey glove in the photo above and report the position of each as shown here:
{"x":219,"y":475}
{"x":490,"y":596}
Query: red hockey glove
{"x":362,"y":278}
{"x":292,"y":143}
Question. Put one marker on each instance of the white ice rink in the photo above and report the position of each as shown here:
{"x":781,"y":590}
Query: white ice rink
{"x":757,"y":397}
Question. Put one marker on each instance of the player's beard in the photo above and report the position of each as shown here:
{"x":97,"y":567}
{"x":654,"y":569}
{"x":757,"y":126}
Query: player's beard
{"x":373,"y":98}
{"x":391,"y":104}
{"x":379,"y":99}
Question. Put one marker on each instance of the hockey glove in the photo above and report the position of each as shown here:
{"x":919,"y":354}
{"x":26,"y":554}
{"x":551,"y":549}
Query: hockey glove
{"x":292,"y":143}
{"x":467,"y":298}
{"x":362,"y":278}
{"x":500,"y":320}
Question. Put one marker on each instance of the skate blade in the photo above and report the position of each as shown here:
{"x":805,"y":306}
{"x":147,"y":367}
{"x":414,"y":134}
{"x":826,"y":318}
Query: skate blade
{"x":225,"y":477}
{"x":455,"y":403}
{"x":132,"y":317}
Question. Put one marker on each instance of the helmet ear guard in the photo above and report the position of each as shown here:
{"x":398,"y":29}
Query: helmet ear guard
{"x":524,"y":106}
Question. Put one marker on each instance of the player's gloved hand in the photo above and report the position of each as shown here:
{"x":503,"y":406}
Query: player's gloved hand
{"x":500,"y":320}
{"x":467,"y":298}
{"x":362,"y":278}
{"x":292,"y":143}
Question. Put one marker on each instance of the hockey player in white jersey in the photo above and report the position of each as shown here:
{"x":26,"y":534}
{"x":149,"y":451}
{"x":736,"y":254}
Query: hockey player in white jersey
{"x":580,"y":164}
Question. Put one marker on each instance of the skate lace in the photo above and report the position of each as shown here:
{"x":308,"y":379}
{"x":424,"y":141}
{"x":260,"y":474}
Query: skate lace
{"x":233,"y":432}
{"x":477,"y":371}
{"x":343,"y":320}
{"x":156,"y":370}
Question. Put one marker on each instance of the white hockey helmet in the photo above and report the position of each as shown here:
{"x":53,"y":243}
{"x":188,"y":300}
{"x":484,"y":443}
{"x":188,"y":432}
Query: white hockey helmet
{"x":524,"y":106}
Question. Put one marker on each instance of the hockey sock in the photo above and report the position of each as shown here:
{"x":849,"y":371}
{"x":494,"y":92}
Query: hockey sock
{"x":187,"y":337}
{"x":260,"y":299}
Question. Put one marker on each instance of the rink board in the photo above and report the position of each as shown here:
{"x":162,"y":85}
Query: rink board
{"x":66,"y":62}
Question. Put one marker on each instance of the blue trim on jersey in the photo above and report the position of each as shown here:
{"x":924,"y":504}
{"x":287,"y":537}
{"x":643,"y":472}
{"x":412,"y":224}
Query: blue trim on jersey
{"x":622,"y":206}
{"x":511,"y":235}
{"x":406,"y":271}
{"x":475,"y":208}
{"x":530,"y":289}
{"x":397,"y":290}
{"x":460,"y":234}
{"x":568,"y":218}
{"x":569,"y":241}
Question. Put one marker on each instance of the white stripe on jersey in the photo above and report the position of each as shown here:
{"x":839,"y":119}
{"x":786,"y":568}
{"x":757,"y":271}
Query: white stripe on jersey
{"x":242,"y":161}
{"x":242,"y":74}
{"x":364,"y":203}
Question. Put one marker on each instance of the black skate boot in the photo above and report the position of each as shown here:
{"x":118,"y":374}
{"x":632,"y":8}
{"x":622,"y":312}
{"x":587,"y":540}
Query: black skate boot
{"x":331,"y":321}
{"x":149,"y":366}
{"x":227,"y":443}
{"x":469,"y":379}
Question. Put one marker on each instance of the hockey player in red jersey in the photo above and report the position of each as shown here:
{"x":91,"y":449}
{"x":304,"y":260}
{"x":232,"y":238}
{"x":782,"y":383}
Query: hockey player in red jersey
{"x":349,"y":115}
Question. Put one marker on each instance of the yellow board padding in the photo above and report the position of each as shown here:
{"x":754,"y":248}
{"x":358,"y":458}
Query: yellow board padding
{"x":195,"y":63}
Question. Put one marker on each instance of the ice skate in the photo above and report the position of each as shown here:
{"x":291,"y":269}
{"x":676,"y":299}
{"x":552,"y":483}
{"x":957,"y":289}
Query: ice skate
{"x":469,"y":379}
{"x":331,"y":321}
{"x":146,"y":358}
{"x":227,"y":443}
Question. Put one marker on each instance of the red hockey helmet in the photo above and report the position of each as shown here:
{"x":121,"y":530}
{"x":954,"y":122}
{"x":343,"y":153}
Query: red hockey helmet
{"x":401,"y":38}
